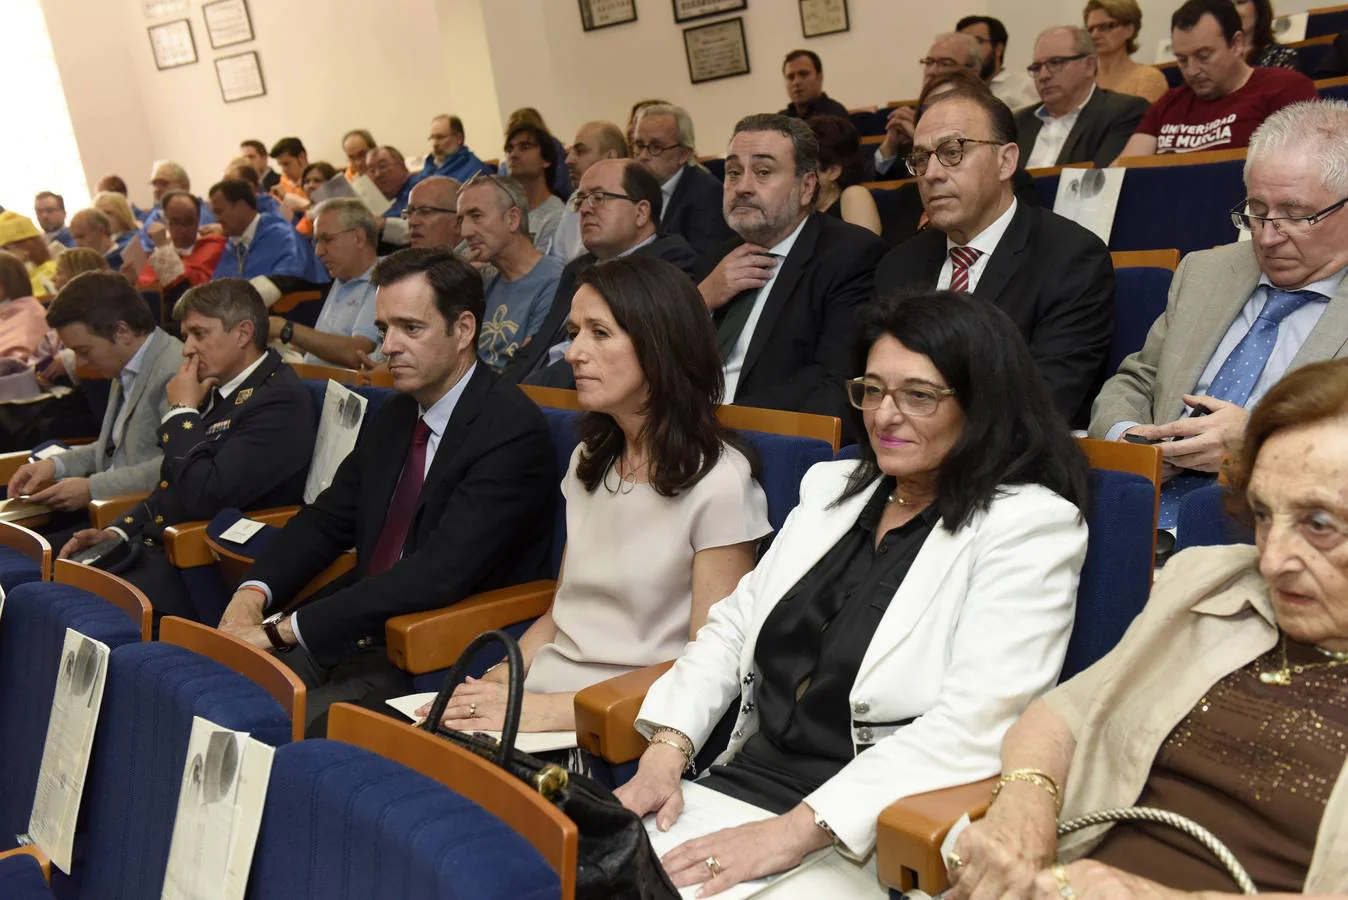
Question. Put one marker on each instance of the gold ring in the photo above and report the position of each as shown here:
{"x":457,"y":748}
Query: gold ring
{"x":713,"y":865}
{"x":472,"y":710}
{"x":1064,"y":886}
{"x":953,"y":861}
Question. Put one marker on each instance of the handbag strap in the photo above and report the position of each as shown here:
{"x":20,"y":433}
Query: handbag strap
{"x":1162,"y":817}
{"x":514,"y":690}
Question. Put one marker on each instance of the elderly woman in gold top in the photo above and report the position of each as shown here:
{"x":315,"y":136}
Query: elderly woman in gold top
{"x":1226,"y":702}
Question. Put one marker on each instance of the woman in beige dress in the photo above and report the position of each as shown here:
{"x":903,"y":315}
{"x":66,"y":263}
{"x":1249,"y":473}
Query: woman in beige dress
{"x":1114,"y":26}
{"x":663,"y":512}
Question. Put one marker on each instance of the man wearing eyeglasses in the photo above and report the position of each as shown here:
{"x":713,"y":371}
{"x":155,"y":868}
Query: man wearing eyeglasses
{"x":1243,"y":315}
{"x":432,"y":213}
{"x":1051,"y":276}
{"x":388,"y":170}
{"x":1077,"y":121}
{"x":1009,"y":86}
{"x":948,"y":53}
{"x":595,"y":141}
{"x":664,"y":143}
{"x":344,"y":241}
{"x":1222,"y":100}
{"x":450,"y":156}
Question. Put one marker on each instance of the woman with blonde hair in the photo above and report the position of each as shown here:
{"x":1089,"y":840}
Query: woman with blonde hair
{"x":1114,"y":26}
{"x":118,"y":210}
{"x":75,"y":261}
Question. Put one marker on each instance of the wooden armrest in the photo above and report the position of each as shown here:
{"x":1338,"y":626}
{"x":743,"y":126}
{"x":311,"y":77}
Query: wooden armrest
{"x":34,"y":852}
{"x":185,"y":543}
{"x":10,"y":463}
{"x":607,"y":712}
{"x":426,"y":641}
{"x":105,"y":513}
{"x":910,"y":831}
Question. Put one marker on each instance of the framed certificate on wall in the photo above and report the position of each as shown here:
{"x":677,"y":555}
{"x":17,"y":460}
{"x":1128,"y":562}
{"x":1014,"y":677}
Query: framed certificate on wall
{"x":687,"y":10}
{"x":820,"y":17}
{"x":227,"y":23}
{"x":240,"y":76}
{"x":605,"y":13}
{"x":716,"y":50}
{"x":172,"y":44}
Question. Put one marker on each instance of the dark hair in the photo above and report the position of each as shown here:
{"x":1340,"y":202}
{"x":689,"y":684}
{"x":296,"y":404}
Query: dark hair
{"x":115,"y":183}
{"x":43,"y":195}
{"x":1013,"y":434}
{"x":1304,"y":396}
{"x":804,"y":146}
{"x":1001,"y":121}
{"x":804,"y":54}
{"x":327,"y":169}
{"x":545,"y":142}
{"x":663,"y":314}
{"x":364,"y":135}
{"x":1261,"y":35}
{"x":180,"y":195}
{"x":456,"y":127}
{"x":639,"y":184}
{"x":960,"y":78}
{"x":100,"y":300}
{"x":996,"y":30}
{"x":287,"y":146}
{"x":254,"y":144}
{"x":456,"y":285}
{"x":1224,"y":11}
{"x":14,"y":280}
{"x":839,"y":145}
{"x":231,"y":300}
{"x":235,"y":190}
{"x":247,"y":173}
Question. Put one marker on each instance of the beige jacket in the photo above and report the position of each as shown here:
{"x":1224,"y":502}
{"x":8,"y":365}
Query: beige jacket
{"x":1209,"y":614}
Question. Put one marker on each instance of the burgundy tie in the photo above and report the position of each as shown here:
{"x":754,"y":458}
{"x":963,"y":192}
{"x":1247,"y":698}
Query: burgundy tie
{"x":403,"y":506}
{"x":962,"y":259}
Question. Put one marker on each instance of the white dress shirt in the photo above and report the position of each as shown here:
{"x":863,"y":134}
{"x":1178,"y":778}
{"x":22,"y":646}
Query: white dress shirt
{"x":734,"y":364}
{"x":1014,"y":88}
{"x":985,"y":241}
{"x":1053,"y":132}
{"x":667,"y":189}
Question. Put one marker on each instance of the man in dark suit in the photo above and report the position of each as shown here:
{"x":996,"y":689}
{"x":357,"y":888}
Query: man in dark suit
{"x":453,"y":497}
{"x":785,"y":292}
{"x":619,"y":206}
{"x":239,"y":432}
{"x":803,"y":71}
{"x":1077,"y":121}
{"x":664,"y":144}
{"x":1053,"y":277}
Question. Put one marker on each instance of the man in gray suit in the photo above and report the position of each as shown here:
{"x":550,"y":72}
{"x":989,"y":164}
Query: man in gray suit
{"x":100,"y":316}
{"x":1242,"y":315}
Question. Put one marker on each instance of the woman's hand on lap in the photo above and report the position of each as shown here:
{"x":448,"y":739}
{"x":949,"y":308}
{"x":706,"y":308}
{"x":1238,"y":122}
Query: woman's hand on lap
{"x":746,"y":852}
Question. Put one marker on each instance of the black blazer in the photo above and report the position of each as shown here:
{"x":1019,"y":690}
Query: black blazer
{"x":484,"y":519}
{"x":1105,"y":124}
{"x":250,"y":451}
{"x":1053,"y":278}
{"x":803,"y":346}
{"x":528,"y":365}
{"x":694,"y":211}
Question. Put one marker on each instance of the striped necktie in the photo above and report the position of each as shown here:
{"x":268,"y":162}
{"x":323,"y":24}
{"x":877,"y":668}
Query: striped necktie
{"x":962,"y":260}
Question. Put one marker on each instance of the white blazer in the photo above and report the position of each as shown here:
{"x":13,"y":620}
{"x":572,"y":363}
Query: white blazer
{"x":976,"y":631}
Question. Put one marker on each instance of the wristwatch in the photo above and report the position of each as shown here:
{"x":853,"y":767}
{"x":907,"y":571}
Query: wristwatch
{"x":274,"y":634}
{"x":287,"y":332}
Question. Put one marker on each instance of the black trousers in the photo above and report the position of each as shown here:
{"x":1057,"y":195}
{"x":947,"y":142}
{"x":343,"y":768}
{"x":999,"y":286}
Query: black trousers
{"x":363,"y":675}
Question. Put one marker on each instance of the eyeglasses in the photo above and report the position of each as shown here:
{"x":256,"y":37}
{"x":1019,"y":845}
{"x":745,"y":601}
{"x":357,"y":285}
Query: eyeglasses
{"x":1288,"y":225}
{"x":424,"y":211}
{"x":869,"y":393}
{"x":1054,"y":64}
{"x":595,"y":199}
{"x":640,"y":147}
{"x":943,"y":62}
{"x":949,"y":153}
{"x":1103,"y":27}
{"x":496,"y":181}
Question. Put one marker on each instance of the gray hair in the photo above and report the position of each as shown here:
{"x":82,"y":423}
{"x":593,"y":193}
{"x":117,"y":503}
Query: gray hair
{"x":97,"y":218}
{"x":612,"y":140}
{"x":172,"y":170}
{"x":685,"y":122}
{"x":351,"y":214}
{"x":804,"y":144}
{"x":1081,"y":38}
{"x":515,"y":196}
{"x":231,"y":300}
{"x":1319,"y":127}
{"x":973,"y":49}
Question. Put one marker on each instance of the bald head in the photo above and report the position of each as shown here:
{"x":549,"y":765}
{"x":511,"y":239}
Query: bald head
{"x":432,"y":217}
{"x":90,"y":228}
{"x":594,"y":141}
{"x":952,"y":51}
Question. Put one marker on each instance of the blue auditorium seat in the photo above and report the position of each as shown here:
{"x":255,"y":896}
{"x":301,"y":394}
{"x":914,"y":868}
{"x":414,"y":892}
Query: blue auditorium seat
{"x":1337,"y":92}
{"x":1148,"y":217}
{"x":1047,"y":188}
{"x":16,"y":569}
{"x":1173,"y":78}
{"x":1203,"y":521}
{"x":1332,"y":21}
{"x":1140,"y":295}
{"x":32,"y":633}
{"x":341,"y":822}
{"x":131,"y":793}
{"x":715,"y":167}
{"x":870,"y":123}
{"x":21,"y":879}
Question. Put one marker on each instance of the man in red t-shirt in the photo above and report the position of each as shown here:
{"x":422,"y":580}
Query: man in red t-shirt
{"x":1222,"y":100}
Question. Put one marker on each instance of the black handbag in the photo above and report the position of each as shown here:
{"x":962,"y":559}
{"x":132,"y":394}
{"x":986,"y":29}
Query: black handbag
{"x":615,"y":858}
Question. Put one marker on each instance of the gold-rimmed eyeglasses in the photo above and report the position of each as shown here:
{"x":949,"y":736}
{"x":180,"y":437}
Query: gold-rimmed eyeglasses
{"x":918,"y":400}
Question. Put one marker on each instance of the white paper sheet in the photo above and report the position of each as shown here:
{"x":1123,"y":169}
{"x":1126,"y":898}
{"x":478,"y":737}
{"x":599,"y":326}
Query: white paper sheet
{"x":241,"y":531}
{"x":48,"y":452}
{"x":1090,"y":197}
{"x":338,"y":428}
{"x":65,"y":754}
{"x":706,"y":811}
{"x":371,"y":196}
{"x":220,"y":802}
{"x":1290,"y":29}
{"x":525,"y":741}
{"x":18,"y":509}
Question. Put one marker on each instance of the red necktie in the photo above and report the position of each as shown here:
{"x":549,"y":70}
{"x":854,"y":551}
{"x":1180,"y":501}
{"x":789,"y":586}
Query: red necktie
{"x":962,"y":259}
{"x":389,"y":549}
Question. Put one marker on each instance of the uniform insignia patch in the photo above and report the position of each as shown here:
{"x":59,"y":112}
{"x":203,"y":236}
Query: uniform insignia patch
{"x":218,"y":427}
{"x":243,"y":396}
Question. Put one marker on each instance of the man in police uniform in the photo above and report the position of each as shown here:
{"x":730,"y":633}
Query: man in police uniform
{"x":239,"y":432}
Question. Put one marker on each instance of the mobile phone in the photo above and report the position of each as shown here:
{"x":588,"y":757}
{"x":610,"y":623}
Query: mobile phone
{"x":1139,"y":439}
{"x":1199,"y":410}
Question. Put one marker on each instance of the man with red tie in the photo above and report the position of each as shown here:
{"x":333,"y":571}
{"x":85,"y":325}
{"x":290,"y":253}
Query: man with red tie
{"x":1051,"y":276}
{"x":452,"y":497}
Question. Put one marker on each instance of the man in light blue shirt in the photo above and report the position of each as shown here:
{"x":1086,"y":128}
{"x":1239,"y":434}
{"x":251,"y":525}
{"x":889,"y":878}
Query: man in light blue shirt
{"x":345,"y":237}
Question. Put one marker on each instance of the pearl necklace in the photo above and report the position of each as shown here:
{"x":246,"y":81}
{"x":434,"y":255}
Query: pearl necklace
{"x":1283,"y":676}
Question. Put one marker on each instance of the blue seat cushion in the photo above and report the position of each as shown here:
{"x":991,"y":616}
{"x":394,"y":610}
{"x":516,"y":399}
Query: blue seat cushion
{"x":21,"y":879}
{"x":32,"y":633}
{"x":783,"y":463}
{"x":341,"y":823}
{"x":1203,"y":521}
{"x":17,"y":569}
{"x":1140,"y":297}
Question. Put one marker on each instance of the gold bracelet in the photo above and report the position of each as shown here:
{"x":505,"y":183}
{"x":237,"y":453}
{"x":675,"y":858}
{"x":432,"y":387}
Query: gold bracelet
{"x":1032,"y":776}
{"x":667,"y":736}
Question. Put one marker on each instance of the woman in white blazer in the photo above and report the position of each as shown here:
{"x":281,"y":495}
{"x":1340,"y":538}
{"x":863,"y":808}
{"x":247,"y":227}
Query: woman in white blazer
{"x":909,"y":610}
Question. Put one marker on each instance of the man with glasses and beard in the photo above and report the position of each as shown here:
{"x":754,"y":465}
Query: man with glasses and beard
{"x":784,"y":293}
{"x":1053,"y":277}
